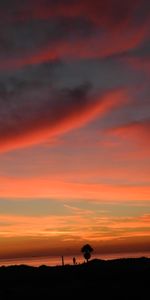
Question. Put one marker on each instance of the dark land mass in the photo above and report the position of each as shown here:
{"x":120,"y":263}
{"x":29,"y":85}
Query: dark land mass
{"x":97,"y":279}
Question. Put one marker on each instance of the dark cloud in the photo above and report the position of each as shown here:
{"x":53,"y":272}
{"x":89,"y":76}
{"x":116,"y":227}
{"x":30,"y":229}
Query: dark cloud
{"x":33,"y":34}
{"x":32,"y":108}
{"x":114,"y":11}
{"x":15,"y":84}
{"x":38,"y":37}
{"x":36,"y":31}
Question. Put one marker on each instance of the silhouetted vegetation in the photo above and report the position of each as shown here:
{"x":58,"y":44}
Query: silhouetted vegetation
{"x":86,"y":250}
{"x":114,"y":279}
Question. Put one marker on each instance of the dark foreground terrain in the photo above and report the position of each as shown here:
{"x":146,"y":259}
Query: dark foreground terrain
{"x":114,"y":279}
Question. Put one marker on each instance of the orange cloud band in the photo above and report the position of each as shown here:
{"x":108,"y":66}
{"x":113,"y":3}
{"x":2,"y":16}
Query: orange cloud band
{"x":48,"y":188}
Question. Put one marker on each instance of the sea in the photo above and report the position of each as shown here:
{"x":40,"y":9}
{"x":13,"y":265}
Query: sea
{"x":68,"y":260}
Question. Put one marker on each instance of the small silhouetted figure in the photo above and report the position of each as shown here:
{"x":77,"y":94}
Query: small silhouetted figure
{"x":62,"y":258}
{"x":74,"y":260}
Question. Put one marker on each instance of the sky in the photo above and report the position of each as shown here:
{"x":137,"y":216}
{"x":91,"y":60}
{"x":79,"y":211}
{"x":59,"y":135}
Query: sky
{"x":74,"y":127}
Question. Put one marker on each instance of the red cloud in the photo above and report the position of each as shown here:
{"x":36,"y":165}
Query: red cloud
{"x":138,"y":63}
{"x":101,"y":46}
{"x":137,"y":131}
{"x":53,"y":119}
{"x":109,"y":28}
{"x":101,"y":13}
{"x":108,"y":12}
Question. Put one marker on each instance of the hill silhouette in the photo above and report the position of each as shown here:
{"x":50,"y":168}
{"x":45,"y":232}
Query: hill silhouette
{"x":97,"y":279}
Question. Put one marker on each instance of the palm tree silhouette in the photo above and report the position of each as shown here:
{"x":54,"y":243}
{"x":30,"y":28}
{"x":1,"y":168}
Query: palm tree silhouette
{"x":86,"y":250}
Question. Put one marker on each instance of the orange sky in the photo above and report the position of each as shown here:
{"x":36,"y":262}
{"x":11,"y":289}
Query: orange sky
{"x":74,"y":127}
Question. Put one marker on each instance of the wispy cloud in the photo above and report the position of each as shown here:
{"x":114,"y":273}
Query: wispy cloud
{"x":73,"y":229}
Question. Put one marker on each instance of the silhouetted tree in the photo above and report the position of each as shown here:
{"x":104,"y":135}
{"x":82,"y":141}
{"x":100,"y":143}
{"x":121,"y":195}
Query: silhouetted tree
{"x":86,"y":250}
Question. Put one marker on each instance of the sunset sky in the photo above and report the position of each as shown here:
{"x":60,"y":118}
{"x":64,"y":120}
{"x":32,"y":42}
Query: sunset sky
{"x":74,"y":127}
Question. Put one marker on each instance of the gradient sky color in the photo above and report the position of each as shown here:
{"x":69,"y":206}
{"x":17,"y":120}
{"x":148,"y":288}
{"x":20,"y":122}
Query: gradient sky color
{"x":74,"y":127}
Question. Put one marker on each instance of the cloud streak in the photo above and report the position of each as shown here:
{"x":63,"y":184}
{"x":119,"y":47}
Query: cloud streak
{"x":29,"y":122}
{"x":38,"y":31}
{"x":127,"y":233}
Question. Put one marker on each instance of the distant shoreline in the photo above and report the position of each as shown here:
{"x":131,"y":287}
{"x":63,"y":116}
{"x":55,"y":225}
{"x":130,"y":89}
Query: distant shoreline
{"x":56,"y":260}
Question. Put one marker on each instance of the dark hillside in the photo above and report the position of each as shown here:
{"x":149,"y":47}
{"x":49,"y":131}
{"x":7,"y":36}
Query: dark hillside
{"x":114,"y":279}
